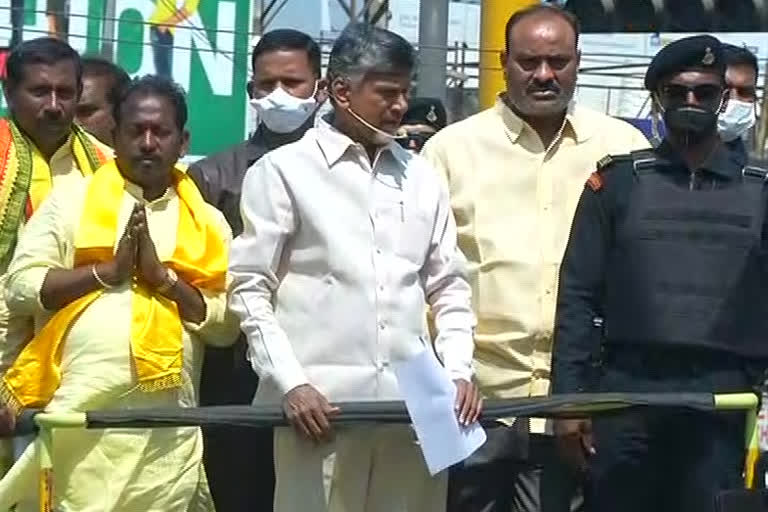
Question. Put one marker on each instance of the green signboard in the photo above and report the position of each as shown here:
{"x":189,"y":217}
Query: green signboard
{"x":202,"y":44}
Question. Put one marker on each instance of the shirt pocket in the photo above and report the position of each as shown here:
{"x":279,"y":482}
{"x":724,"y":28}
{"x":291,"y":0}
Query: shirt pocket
{"x":407,"y":231}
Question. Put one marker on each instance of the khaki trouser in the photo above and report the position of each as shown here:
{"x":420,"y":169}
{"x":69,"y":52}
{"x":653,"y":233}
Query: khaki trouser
{"x":375,"y":468}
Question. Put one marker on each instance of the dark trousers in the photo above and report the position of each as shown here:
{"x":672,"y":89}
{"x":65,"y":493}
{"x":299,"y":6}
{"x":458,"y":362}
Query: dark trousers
{"x":666,"y":460}
{"x":513,"y":472}
{"x":238,"y":461}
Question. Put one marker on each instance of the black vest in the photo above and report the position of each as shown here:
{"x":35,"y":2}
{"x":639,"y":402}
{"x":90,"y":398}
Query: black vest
{"x":686,"y":268}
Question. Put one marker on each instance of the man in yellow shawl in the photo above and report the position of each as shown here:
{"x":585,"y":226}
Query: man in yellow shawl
{"x":125,"y":274}
{"x":40,"y":148}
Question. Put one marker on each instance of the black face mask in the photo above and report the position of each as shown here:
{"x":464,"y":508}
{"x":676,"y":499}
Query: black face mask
{"x":692,"y":122}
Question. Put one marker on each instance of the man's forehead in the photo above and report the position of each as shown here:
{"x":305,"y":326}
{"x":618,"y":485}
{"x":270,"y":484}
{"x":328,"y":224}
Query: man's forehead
{"x":543,"y":28}
{"x":741,"y":73}
{"x":41,"y":70}
{"x":281,"y":60}
{"x":543,"y":51}
{"x":387,"y":77}
{"x":694,"y":77}
{"x":95,"y":86}
{"x":143,"y":106}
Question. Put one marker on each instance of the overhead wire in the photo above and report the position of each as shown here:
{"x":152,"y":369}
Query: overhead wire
{"x":201,"y":34}
{"x":321,"y":41}
{"x":249,"y":34}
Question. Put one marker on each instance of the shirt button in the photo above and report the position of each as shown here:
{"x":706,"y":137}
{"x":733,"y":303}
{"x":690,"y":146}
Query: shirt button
{"x":381,"y":287}
{"x":378,"y":251}
{"x":381,"y":326}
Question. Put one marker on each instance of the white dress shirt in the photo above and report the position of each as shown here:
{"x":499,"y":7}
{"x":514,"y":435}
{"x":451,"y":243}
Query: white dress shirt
{"x":335,"y":266}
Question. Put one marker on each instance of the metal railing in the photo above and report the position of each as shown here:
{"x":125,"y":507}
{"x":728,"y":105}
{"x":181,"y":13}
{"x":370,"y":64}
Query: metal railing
{"x":557,"y":406}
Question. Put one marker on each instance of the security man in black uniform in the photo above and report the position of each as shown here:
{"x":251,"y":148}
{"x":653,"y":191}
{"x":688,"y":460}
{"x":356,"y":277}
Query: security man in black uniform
{"x":664,"y":287}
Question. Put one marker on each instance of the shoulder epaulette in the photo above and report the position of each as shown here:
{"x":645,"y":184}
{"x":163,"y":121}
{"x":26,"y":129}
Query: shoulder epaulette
{"x":595,"y":180}
{"x":608,"y":160}
{"x":604,"y":162}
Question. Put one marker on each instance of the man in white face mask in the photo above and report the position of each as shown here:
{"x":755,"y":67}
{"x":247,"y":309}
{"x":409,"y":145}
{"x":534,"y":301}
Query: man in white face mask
{"x":736,"y":121}
{"x":285,"y":91}
{"x":347,"y":238}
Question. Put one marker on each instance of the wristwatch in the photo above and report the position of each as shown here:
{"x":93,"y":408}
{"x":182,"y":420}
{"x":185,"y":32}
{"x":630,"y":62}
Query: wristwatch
{"x":171,"y":278}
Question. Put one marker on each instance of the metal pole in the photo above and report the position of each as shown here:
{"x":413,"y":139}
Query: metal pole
{"x":17,"y":22}
{"x":108,"y":31}
{"x":259,"y":20}
{"x":433,"y":41}
{"x":493,"y":18}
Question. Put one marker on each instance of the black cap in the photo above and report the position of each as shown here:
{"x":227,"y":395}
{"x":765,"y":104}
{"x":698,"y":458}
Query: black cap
{"x":428,"y":111}
{"x":690,"y":53}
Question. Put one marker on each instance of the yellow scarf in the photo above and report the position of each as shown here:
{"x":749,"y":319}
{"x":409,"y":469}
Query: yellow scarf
{"x":200,"y":259}
{"x":25,"y":178}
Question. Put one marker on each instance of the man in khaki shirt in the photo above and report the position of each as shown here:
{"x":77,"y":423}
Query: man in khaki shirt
{"x":515,"y":174}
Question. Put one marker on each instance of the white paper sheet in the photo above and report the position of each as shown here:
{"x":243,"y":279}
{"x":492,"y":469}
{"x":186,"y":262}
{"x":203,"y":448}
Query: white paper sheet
{"x":430,"y":396}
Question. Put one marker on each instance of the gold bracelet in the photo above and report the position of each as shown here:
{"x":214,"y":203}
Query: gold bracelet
{"x":171,"y":278}
{"x":98,"y":278}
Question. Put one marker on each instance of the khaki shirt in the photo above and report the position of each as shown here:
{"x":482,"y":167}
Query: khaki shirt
{"x":514,"y":201}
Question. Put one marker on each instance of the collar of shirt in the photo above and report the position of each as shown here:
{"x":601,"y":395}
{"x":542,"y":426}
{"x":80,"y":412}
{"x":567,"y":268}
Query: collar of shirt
{"x":138,"y":193}
{"x":335,"y":144}
{"x":739,"y":149}
{"x":262,"y":141}
{"x":579,"y":127}
{"x":255,"y":147}
{"x":64,"y":151}
{"x":724,"y":162}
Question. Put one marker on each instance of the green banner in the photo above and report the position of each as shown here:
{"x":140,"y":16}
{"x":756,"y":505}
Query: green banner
{"x":202,"y":44}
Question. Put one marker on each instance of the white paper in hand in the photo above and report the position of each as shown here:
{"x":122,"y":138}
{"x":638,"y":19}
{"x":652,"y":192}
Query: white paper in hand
{"x":430,"y":396}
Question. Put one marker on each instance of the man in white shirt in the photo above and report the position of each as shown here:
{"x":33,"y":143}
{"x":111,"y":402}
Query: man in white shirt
{"x":347,"y":237}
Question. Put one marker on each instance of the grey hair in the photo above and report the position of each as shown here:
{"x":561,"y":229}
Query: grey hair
{"x":362,"y":48}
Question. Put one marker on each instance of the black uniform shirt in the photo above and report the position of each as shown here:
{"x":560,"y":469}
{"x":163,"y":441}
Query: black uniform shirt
{"x":220,"y":176}
{"x":599,"y":212}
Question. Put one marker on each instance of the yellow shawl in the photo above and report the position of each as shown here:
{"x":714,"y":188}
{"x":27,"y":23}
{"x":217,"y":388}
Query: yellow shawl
{"x":200,"y":259}
{"x":25,"y":179}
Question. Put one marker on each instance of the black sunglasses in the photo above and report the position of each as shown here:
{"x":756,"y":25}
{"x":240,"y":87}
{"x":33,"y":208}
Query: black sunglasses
{"x":419,"y":140}
{"x":704,"y":93}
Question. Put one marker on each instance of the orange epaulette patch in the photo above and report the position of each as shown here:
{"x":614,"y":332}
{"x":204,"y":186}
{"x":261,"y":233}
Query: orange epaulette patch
{"x":595,"y":182}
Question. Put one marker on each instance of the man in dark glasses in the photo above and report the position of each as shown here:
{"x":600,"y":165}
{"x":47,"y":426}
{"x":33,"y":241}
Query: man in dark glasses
{"x":424,"y":118}
{"x":663,"y":289}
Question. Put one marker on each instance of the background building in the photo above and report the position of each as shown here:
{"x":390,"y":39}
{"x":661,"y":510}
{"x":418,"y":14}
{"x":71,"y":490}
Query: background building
{"x":210,"y":56}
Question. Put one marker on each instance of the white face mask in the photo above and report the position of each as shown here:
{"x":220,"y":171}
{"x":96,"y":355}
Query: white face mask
{"x":737,"y":120}
{"x":282,"y":112}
